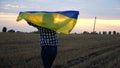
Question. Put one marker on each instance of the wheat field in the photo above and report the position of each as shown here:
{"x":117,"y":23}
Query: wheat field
{"x":22,"y":50}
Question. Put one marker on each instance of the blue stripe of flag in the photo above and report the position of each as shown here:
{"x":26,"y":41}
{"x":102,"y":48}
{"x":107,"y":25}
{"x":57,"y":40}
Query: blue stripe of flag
{"x":70,"y":13}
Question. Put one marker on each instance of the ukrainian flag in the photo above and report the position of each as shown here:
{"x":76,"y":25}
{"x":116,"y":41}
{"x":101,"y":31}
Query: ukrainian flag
{"x":60,"y":21}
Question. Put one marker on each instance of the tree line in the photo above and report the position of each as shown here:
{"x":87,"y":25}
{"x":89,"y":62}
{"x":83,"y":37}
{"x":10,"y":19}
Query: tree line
{"x":103,"y":33}
{"x":84,"y":32}
{"x":5,"y":30}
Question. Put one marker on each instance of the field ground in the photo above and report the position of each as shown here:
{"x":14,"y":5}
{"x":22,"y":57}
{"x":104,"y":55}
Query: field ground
{"x":22,"y":50}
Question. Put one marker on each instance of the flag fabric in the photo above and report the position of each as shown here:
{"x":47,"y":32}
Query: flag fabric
{"x":59,"y":21}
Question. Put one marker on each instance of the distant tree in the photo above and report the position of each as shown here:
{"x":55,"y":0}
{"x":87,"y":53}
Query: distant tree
{"x":94,"y":32}
{"x":99,"y":33}
{"x":4,"y":29}
{"x":85,"y":32}
{"x":118,"y":33}
{"x":109,"y":32}
{"x":75,"y":33}
{"x":12,"y":31}
{"x":104,"y":32}
{"x":19,"y":32}
{"x":114,"y":33}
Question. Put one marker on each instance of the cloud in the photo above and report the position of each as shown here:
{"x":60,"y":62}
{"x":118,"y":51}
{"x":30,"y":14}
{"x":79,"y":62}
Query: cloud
{"x":8,"y":16}
{"x":107,"y":9}
{"x":118,"y":9}
{"x":2,"y":14}
{"x":13,"y":6}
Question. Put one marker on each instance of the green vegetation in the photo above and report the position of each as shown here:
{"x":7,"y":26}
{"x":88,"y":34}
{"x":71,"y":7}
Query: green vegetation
{"x":22,"y":50}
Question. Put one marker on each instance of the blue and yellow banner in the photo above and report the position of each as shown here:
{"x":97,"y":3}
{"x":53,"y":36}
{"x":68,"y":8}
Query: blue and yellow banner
{"x":61,"y":21}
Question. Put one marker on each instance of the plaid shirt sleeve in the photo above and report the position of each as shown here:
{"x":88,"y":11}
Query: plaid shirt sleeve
{"x":48,"y":37}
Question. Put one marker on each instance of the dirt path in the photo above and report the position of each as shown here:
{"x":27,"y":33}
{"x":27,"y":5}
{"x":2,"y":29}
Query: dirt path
{"x":93,"y":63}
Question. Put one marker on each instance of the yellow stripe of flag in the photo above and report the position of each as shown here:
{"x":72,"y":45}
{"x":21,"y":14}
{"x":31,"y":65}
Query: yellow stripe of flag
{"x":55,"y":21}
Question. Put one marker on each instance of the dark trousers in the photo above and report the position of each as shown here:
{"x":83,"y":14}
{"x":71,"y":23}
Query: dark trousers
{"x":48,"y":54}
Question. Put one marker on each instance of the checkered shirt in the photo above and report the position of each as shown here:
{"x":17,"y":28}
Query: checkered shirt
{"x":48,"y":37}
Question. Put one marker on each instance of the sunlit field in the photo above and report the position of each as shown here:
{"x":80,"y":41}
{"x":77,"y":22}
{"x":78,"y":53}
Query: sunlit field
{"x":22,"y":50}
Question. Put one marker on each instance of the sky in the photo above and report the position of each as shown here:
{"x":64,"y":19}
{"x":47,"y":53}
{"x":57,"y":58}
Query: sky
{"x":106,"y":11}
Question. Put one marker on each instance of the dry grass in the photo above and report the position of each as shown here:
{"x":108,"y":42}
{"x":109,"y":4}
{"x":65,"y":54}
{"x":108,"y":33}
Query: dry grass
{"x":22,"y":50}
